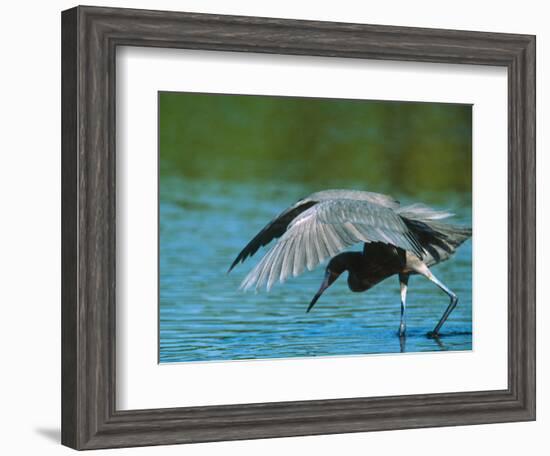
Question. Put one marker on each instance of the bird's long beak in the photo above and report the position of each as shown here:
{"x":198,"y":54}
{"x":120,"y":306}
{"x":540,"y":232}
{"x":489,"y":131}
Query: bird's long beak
{"x":330,"y":277}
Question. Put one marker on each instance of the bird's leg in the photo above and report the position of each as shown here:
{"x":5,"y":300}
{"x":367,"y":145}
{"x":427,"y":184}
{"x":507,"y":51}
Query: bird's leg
{"x":454,"y":299}
{"x":403,"y":282}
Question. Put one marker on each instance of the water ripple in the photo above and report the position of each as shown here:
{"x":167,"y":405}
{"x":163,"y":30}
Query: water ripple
{"x":204,"y":317}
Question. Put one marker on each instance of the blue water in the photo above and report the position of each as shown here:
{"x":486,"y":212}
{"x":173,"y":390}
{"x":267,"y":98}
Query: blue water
{"x":205,"y":317}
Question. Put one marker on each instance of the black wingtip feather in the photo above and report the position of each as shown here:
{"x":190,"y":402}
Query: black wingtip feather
{"x":233,"y":265}
{"x":272,"y":230}
{"x":240,"y":258}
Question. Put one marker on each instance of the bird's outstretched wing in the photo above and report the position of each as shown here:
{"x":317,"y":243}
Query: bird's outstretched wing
{"x":272,"y":230}
{"x":324,"y":230}
{"x":277,"y":227}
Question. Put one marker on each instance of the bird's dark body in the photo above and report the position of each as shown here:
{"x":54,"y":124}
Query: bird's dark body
{"x":396,"y":240}
{"x":376,"y":263}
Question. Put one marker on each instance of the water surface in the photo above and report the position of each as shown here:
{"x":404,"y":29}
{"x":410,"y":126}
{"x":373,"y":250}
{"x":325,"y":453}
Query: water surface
{"x":203,"y":316}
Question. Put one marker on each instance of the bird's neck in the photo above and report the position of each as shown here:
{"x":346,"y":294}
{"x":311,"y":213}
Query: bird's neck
{"x":347,"y":261}
{"x":353,"y":260}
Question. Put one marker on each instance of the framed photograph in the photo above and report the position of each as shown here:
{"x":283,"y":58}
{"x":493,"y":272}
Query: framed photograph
{"x":279,"y":228}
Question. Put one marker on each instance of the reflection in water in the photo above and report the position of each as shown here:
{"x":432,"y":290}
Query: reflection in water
{"x":438,"y":341}
{"x":204,"y":317}
{"x":403,"y":343}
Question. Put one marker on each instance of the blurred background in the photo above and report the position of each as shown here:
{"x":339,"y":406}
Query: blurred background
{"x":388,"y":146}
{"x":230,"y":163}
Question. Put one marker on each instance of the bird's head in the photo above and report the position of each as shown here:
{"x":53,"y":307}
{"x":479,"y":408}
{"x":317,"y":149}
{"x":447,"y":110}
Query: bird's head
{"x":334,"y":268}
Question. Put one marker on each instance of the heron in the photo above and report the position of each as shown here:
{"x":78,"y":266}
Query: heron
{"x":397,"y":240}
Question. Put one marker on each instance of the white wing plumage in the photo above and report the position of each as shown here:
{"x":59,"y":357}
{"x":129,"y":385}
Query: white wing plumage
{"x":323,"y":231}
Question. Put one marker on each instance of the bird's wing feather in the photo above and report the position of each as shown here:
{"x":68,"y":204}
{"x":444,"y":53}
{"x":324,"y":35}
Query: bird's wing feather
{"x":324,"y":230}
{"x":274,"y":229}
{"x":277,"y":227}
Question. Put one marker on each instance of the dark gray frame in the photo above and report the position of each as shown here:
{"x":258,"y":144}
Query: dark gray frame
{"x":90,"y":36}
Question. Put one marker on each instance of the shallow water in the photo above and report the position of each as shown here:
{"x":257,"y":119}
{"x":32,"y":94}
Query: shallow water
{"x":205,"y":317}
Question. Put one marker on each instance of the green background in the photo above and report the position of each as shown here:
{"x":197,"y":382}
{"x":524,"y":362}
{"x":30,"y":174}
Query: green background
{"x":402,"y":147}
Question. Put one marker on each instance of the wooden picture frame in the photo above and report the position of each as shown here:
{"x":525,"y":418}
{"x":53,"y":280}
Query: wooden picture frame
{"x":90,"y":36}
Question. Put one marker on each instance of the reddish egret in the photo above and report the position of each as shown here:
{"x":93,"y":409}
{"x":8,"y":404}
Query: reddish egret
{"x":397,"y":240}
